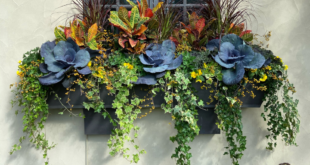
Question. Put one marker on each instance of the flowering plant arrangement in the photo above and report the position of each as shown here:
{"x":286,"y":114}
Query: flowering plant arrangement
{"x":214,"y":50}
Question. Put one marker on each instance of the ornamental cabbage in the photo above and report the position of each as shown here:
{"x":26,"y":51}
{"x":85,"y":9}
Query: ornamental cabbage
{"x":62,"y":58}
{"x":234,"y":56}
{"x":160,"y":58}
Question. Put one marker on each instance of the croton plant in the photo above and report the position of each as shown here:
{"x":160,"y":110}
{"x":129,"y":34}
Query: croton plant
{"x":118,"y":50}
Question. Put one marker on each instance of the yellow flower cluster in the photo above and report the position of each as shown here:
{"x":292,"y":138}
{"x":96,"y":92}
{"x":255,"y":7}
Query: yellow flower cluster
{"x":182,"y":47}
{"x":129,"y":66}
{"x":194,"y":74}
{"x":100,"y":72}
{"x":20,"y":74}
{"x":204,"y":65}
{"x":279,"y":59}
{"x":285,"y":67}
{"x":264,"y":78}
{"x":268,"y":68}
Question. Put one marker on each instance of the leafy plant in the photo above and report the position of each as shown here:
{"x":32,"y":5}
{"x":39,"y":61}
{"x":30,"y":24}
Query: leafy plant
{"x":78,"y":32}
{"x":179,"y":37}
{"x":31,"y":96}
{"x":177,"y":87}
{"x":246,"y":35}
{"x":161,"y":58}
{"x":161,"y":26}
{"x":234,"y":57}
{"x":60,"y":59}
{"x":227,"y":12}
{"x":197,"y":30}
{"x":132,"y":25}
{"x":93,"y":12}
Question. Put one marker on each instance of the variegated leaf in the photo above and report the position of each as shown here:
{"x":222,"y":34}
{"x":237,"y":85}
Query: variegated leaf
{"x":121,"y":42}
{"x":141,"y":30}
{"x":132,"y":42}
{"x":200,"y":24}
{"x":134,"y":18}
{"x":158,"y":6}
{"x":144,"y":7}
{"x":131,"y":3}
{"x":193,"y":20}
{"x":92,"y":44}
{"x":60,"y":35}
{"x":123,"y":15}
{"x":114,"y":19}
{"x":73,"y":29}
{"x":92,"y":32}
{"x":79,"y":41}
{"x":141,"y":21}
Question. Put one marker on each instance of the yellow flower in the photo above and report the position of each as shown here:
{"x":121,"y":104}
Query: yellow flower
{"x":89,"y":64}
{"x":129,"y":66}
{"x":199,"y":72}
{"x":264,"y":78}
{"x":18,"y":73}
{"x":285,"y":67}
{"x":193,"y":75}
{"x":19,"y":61}
{"x":268,"y":67}
{"x":204,"y":65}
{"x":277,"y":57}
{"x":199,"y":81}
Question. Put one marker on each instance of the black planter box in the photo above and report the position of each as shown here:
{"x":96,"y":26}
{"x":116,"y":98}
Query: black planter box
{"x":95,"y":124}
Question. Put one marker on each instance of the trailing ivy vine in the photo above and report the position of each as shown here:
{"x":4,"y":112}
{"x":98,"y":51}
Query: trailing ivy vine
{"x":31,"y":95}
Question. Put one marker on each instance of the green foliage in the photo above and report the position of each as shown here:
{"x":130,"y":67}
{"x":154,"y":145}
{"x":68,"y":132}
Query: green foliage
{"x":161,"y":26}
{"x":30,"y":95}
{"x":229,"y":113}
{"x":281,"y":114}
{"x":127,"y":111}
{"x":178,"y":87}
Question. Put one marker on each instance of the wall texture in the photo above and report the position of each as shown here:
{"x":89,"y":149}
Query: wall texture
{"x":26,"y":24}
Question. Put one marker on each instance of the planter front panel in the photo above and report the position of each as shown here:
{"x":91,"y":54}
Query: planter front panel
{"x":95,"y":124}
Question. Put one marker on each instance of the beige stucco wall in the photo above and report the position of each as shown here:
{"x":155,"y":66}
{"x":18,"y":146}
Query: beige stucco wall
{"x":25,"y":24}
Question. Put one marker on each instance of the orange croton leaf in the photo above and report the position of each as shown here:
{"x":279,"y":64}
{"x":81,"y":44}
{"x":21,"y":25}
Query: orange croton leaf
{"x":79,"y":41}
{"x":144,"y":8}
{"x":131,"y":50}
{"x":140,"y":31}
{"x":142,"y":37}
{"x":121,"y":42}
{"x":132,"y":42}
{"x":79,"y":31}
{"x":68,"y":32}
{"x":200,"y":24}
{"x":193,"y":20}
{"x":140,"y":47}
{"x":188,"y":28}
{"x":149,"y":13}
{"x":175,"y":41}
{"x":92,"y":31}
{"x":139,"y":7}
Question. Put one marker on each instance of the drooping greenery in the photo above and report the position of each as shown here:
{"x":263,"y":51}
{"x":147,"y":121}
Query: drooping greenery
{"x":31,"y":95}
